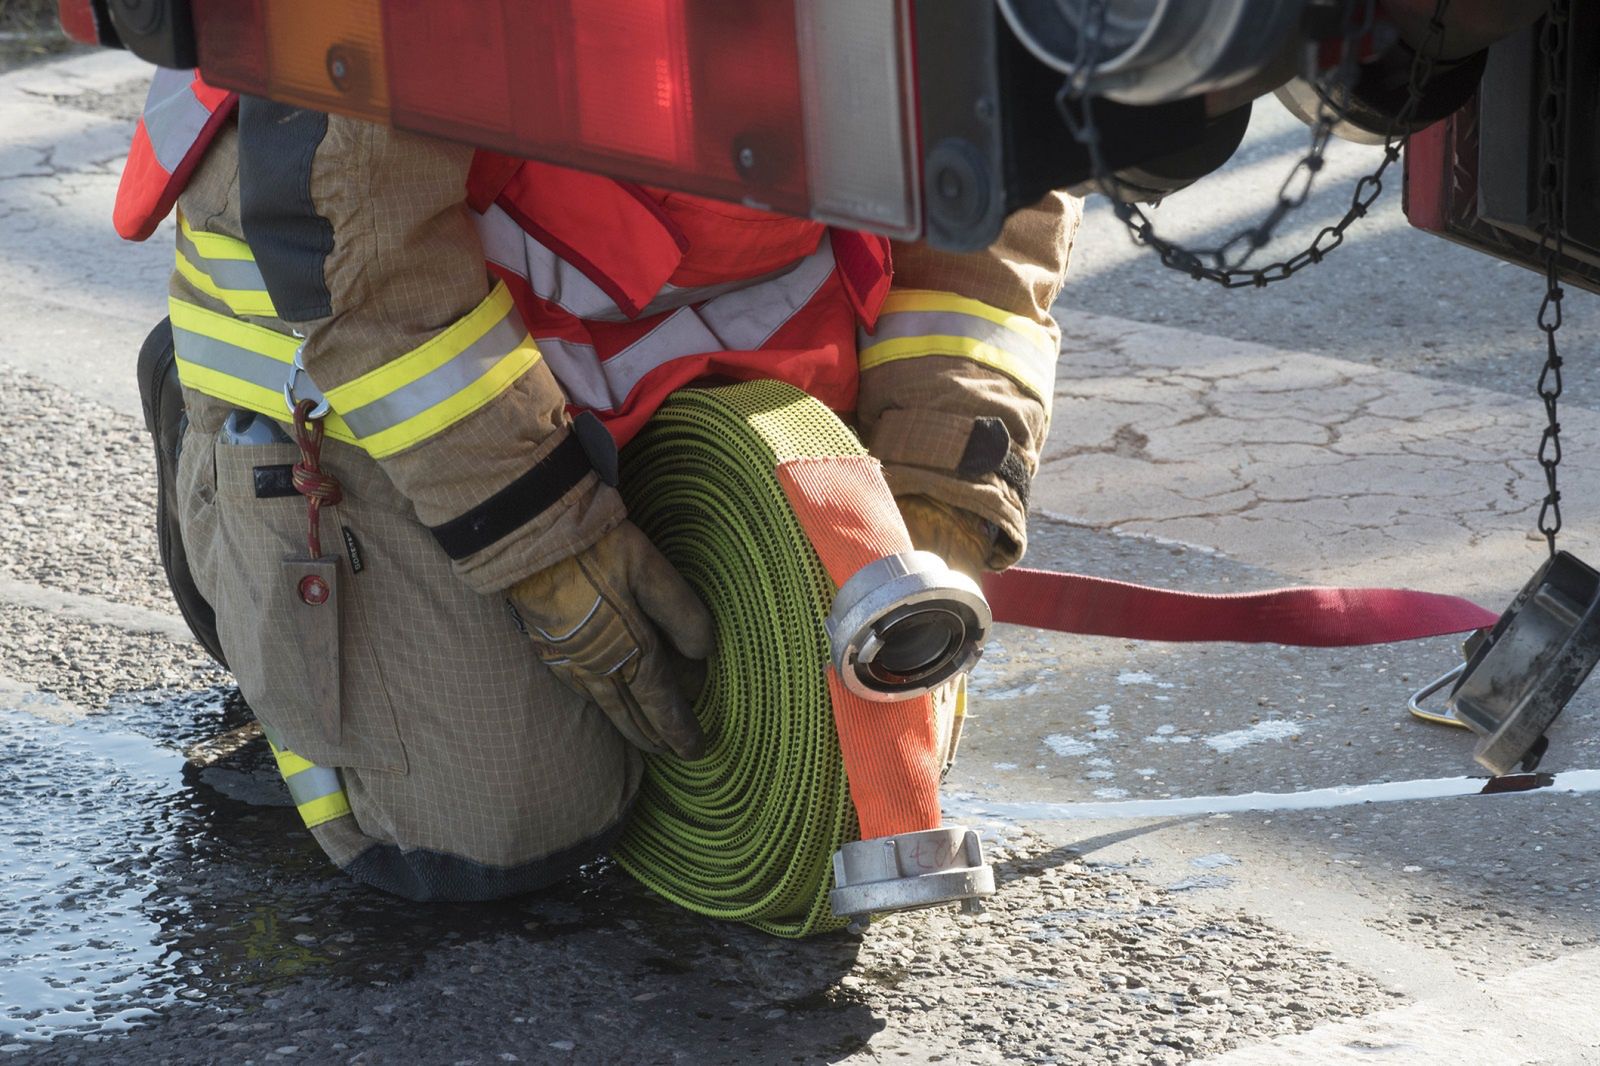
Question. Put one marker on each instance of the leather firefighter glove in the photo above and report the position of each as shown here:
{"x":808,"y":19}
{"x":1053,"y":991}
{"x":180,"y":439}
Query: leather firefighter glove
{"x":597,"y":618}
{"x":959,"y":537}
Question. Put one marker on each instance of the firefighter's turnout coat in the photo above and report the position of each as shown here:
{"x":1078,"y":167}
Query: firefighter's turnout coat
{"x":456,"y":309}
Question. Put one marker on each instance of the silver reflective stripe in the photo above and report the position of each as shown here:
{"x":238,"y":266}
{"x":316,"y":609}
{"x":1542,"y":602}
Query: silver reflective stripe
{"x":173,"y":116}
{"x":313,"y":783}
{"x":680,"y":333}
{"x":229,"y":359}
{"x":1037,"y":363}
{"x":744,"y":320}
{"x":577,"y":368}
{"x":672,"y":296}
{"x":547,"y":274}
{"x":755,"y":308}
{"x":440,"y":383}
{"x":233,"y":274}
{"x":739,"y":321}
{"x":604,"y":385}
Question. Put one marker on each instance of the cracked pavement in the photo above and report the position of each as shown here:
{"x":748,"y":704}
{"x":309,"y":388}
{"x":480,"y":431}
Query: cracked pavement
{"x":1322,"y":469}
{"x":155,"y":913}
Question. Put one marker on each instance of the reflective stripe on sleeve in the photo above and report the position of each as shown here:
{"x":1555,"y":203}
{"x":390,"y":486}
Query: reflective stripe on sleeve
{"x":916,"y":323}
{"x":432,"y":387}
{"x":223,"y":268}
{"x":394,"y":407}
{"x":239,"y":362}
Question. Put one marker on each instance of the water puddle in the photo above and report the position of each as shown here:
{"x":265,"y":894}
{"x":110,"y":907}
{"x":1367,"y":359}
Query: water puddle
{"x":134,"y":885}
{"x":969,"y":806}
{"x":133,"y":882}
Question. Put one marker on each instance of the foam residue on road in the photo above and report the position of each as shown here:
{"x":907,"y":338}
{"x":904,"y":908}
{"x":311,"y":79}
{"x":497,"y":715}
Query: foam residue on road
{"x":1274,"y":729}
{"x":1069,"y":747}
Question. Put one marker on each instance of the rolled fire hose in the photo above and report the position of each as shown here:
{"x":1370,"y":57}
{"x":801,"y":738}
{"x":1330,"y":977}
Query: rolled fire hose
{"x":766,"y":503}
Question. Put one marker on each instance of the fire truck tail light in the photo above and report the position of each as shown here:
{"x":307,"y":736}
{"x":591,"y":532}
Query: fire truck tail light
{"x":860,"y":115}
{"x":78,"y":20}
{"x":321,"y":55}
{"x":802,"y":106}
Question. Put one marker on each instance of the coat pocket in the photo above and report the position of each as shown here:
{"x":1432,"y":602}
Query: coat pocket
{"x":259,"y":521}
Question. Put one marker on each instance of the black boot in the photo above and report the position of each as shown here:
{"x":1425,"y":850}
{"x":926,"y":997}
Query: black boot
{"x":165,"y":419}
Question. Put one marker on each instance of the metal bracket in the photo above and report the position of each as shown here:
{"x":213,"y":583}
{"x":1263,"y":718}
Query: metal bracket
{"x":1519,"y":676}
{"x":909,"y":871}
{"x":294,"y":391}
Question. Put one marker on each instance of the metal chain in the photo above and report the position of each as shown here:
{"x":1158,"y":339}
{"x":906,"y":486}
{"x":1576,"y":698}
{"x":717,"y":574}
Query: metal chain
{"x":1552,"y":188}
{"x":1225,"y":267}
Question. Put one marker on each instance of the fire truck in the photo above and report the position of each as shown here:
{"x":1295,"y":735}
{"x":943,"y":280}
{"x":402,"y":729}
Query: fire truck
{"x":926,"y":119}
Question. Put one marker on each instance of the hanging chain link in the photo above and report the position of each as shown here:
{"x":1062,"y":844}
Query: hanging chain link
{"x":1225,"y":263}
{"x":1552,"y":190}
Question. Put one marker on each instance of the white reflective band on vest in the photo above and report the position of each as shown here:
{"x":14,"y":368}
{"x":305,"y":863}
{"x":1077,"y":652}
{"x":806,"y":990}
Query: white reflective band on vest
{"x":915,"y":324}
{"x":550,"y":276}
{"x":554,"y":279}
{"x":743,"y":320}
{"x":173,"y":116}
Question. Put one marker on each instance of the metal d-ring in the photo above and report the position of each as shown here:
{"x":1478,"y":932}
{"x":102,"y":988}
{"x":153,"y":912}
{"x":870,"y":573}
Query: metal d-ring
{"x":297,"y":370}
{"x":1414,"y":705}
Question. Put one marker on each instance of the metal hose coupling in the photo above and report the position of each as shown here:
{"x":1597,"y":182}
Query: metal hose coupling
{"x":904,"y":625}
{"x":909,"y":871}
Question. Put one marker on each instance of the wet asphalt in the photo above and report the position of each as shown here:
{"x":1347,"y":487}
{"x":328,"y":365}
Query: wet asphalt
{"x":154,"y":912}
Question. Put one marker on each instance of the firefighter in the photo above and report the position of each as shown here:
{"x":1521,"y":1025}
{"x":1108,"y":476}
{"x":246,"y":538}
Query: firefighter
{"x":469,"y":338}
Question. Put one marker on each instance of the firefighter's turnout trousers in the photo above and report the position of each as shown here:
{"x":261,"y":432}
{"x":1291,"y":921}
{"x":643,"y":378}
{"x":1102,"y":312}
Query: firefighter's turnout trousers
{"x":451,"y":764}
{"x":465,"y":770}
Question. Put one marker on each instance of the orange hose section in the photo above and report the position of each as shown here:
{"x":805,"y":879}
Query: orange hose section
{"x":890,"y":749}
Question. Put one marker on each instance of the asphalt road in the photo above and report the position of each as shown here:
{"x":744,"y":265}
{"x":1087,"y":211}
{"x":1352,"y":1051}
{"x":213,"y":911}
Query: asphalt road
{"x":1368,"y":423}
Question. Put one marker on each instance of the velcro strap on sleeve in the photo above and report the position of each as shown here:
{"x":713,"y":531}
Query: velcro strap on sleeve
{"x":971,"y":447}
{"x":561,"y":470}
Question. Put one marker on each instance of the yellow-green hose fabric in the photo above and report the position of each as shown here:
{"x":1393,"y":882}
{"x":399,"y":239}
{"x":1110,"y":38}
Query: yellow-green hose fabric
{"x":748,"y":832}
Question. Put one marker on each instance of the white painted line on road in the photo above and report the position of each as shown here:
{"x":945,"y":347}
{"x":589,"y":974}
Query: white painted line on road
{"x":86,"y":608}
{"x":1541,"y":1014}
{"x":969,"y":806}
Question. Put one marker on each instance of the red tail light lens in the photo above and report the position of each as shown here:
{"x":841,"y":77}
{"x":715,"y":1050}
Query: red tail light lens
{"x":78,"y":21}
{"x":802,"y":106}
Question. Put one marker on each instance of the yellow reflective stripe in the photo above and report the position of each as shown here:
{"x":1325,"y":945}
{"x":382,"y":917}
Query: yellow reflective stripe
{"x":436,"y":385}
{"x":418,"y":362}
{"x":246,"y":335}
{"x":442,"y":416}
{"x":929,"y":300}
{"x":290,"y":764}
{"x":210,"y":360}
{"x":964,"y":347}
{"x":215,"y":245}
{"x":333,"y":803}
{"x":257,"y":302}
{"x":918,"y":323}
{"x":325,"y":809}
{"x":386,"y":411}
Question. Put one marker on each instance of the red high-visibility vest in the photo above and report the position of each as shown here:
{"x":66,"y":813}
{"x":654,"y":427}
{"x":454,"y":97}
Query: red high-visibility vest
{"x":629,"y":292}
{"x":181,"y":116}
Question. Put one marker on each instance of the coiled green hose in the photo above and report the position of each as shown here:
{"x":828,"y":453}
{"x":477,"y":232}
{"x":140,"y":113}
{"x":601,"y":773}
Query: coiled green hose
{"x":748,"y":832}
